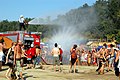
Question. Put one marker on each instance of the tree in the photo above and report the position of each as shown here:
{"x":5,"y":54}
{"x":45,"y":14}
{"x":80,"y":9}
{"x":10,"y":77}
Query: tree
{"x":114,"y":12}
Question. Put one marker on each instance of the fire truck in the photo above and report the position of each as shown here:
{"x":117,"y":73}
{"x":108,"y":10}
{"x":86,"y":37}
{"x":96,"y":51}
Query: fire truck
{"x":27,"y":38}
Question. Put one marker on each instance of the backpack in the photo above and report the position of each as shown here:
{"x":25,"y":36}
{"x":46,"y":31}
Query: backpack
{"x":73,"y":54}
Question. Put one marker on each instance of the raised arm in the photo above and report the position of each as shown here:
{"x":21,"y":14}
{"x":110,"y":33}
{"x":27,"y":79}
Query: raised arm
{"x":8,"y":55}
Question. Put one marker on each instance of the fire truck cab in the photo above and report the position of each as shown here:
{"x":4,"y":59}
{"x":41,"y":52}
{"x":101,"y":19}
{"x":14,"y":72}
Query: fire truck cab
{"x":31,"y":38}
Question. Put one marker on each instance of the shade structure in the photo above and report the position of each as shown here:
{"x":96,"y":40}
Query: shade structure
{"x":7,"y":41}
{"x":89,"y":43}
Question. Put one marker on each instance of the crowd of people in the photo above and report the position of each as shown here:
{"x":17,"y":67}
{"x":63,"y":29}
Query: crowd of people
{"x":106,"y":58}
{"x":17,"y":57}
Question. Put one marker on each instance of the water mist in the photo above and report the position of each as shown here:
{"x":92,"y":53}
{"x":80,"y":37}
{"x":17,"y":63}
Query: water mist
{"x":71,"y":26}
{"x":66,"y":37}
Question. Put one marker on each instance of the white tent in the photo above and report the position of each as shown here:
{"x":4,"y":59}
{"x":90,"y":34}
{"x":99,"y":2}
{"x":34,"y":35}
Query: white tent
{"x":89,"y":43}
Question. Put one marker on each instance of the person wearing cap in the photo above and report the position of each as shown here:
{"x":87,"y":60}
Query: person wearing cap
{"x":21,"y":22}
{"x":29,"y":52}
{"x":31,"y":55}
{"x":33,"y":52}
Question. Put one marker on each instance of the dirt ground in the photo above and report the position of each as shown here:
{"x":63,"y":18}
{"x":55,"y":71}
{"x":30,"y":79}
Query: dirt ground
{"x":84,"y":73}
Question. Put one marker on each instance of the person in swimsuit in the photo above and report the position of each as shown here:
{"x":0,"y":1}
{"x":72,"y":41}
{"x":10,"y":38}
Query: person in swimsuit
{"x":10,"y":60}
{"x":73,"y":55}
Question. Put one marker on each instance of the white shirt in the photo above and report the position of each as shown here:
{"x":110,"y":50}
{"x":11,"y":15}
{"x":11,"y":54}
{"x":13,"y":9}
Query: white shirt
{"x":1,"y":55}
{"x":21,"y":20}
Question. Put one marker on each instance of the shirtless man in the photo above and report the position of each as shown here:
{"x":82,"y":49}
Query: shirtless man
{"x":17,"y":58}
{"x":56,"y":52}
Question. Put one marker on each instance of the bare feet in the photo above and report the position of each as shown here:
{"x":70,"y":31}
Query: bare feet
{"x":8,"y":77}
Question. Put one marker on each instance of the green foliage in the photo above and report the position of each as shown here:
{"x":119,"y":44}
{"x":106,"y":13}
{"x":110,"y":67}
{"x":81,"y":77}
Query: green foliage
{"x":5,"y":25}
{"x":101,"y":20}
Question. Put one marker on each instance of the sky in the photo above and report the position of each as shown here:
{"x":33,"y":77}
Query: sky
{"x":12,"y":9}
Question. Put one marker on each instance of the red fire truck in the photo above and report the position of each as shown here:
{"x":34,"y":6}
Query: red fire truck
{"x":26,"y":37}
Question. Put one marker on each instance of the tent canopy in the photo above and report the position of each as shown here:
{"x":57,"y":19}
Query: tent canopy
{"x":7,"y":41}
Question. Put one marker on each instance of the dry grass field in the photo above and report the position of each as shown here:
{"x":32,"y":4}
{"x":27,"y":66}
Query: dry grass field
{"x":84,"y":73}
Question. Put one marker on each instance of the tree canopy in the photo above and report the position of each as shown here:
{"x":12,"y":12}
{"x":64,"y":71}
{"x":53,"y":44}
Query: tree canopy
{"x":101,"y":20}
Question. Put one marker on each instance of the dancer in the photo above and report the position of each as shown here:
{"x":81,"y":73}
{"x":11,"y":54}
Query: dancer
{"x":102,"y":60}
{"x":110,"y":57}
{"x":73,"y":52}
{"x":10,"y":61}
